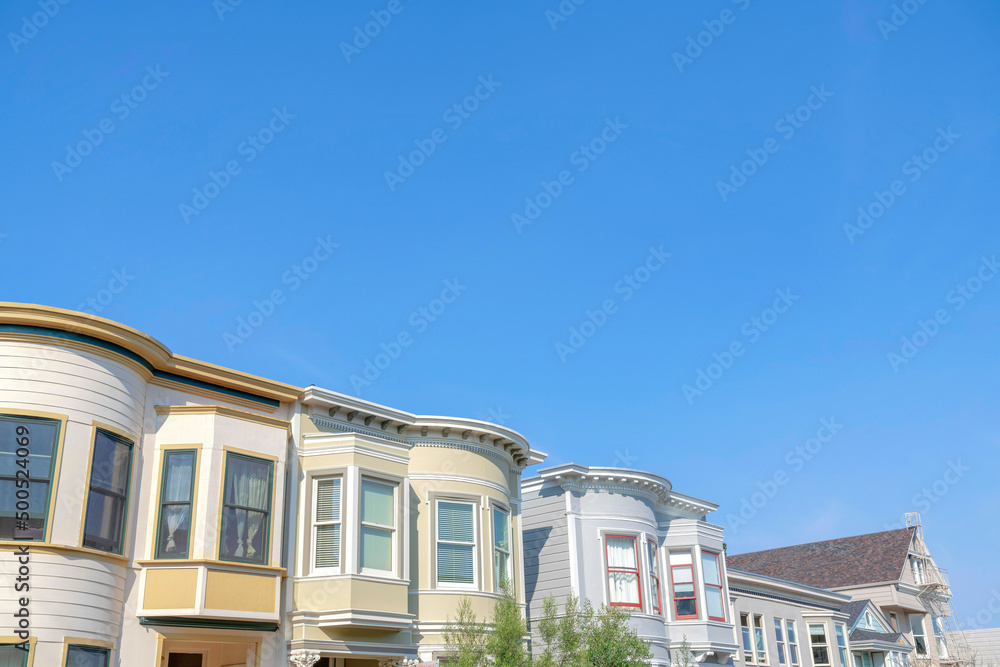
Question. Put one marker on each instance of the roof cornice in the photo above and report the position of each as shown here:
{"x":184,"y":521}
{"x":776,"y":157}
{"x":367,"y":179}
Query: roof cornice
{"x":807,"y":593}
{"x":381,"y":421}
{"x":32,"y":320}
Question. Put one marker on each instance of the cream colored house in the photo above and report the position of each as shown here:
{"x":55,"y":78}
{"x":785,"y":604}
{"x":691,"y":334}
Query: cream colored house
{"x":397,"y":518}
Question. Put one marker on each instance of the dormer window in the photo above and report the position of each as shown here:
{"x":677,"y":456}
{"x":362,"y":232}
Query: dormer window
{"x":917,"y":565}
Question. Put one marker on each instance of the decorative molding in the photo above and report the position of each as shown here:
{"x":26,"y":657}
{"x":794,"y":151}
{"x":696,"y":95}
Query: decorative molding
{"x":462,"y":478}
{"x":303,"y":657}
{"x":222,"y":411}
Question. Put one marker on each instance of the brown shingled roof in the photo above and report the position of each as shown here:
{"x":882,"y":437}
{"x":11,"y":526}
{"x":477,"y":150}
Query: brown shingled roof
{"x":846,"y":561}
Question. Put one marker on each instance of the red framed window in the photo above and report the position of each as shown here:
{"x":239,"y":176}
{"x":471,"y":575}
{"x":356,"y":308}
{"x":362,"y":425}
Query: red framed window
{"x":682,"y":578}
{"x":714,"y":600}
{"x":621,"y":555}
{"x":654,"y":577}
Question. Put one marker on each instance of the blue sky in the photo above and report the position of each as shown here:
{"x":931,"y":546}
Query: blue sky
{"x":584,"y":232}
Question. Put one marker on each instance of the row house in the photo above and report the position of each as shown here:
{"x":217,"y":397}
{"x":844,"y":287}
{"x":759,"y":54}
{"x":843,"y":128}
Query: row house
{"x":158,"y":511}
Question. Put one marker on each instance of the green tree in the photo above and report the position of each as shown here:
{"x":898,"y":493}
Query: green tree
{"x":565,"y":638}
{"x":684,"y":657}
{"x":465,"y":637}
{"x":505,"y":644}
{"x":611,"y":641}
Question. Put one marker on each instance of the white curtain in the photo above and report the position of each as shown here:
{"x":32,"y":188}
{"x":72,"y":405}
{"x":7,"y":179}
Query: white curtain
{"x":258,"y":498}
{"x":623,"y":586}
{"x":249,"y":484}
{"x":178,"y":489}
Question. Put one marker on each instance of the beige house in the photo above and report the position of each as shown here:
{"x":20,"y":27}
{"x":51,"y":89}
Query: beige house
{"x":397,"y":518}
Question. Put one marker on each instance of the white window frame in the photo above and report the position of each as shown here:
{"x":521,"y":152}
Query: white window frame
{"x":757,"y":621}
{"x":922,"y":634}
{"x":746,"y":636}
{"x":494,"y":508}
{"x":394,"y":566}
{"x":919,"y":569}
{"x":476,"y":578}
{"x":780,"y":640}
{"x":825,"y":644}
{"x":313,"y":569}
{"x":843,"y":652}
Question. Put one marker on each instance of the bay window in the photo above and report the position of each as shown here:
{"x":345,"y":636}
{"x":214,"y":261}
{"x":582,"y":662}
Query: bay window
{"x":779,"y":637}
{"x":501,"y":548}
{"x":654,"y":577}
{"x":12,"y":656}
{"x":378,"y":526}
{"x":842,"y":645}
{"x":919,"y":638}
{"x":246,"y":509}
{"x":793,"y":646}
{"x":176,"y":499}
{"x":749,"y":654}
{"x":27,"y":464}
{"x":327,"y":494}
{"x":682,"y":578}
{"x":820,"y":648}
{"x":107,"y":499}
{"x":712,"y":571}
{"x":622,"y":561}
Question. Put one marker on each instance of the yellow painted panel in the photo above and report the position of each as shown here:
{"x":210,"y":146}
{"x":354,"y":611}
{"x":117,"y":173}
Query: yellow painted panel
{"x":174,"y":588}
{"x":236,"y":591}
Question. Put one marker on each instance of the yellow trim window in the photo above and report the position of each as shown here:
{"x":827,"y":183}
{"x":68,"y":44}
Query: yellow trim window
{"x":246,"y":509}
{"x":27,"y":457}
{"x":378,"y":526}
{"x":176,"y":499}
{"x":87,"y":656}
{"x":107,"y":501}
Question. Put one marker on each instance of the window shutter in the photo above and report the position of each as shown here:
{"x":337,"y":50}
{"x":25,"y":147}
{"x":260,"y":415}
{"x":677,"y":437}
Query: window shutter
{"x":455,"y":522}
{"x":328,"y":534}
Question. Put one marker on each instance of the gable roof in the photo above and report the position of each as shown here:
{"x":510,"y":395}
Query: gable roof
{"x":840,"y":563}
{"x":856,"y":608}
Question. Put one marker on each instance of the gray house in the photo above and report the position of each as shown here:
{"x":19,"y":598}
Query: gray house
{"x":626,"y":538}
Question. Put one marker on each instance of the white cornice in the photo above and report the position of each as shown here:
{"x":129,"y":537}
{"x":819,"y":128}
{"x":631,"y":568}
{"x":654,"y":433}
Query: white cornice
{"x":765,"y":584}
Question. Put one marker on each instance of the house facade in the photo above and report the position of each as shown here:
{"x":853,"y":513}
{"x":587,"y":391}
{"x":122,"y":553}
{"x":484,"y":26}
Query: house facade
{"x":893,"y":570}
{"x":160,"y":511}
{"x":625,"y":538}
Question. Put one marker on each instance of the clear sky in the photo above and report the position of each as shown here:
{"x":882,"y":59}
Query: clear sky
{"x":557,"y":219}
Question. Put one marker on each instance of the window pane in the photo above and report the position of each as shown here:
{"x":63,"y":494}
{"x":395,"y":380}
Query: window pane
{"x":328,"y":545}
{"x":11,"y":656}
{"x":455,"y":564}
{"x":624,"y":587}
{"x":793,"y":652}
{"x":37,"y":439}
{"x":680,"y":559}
{"x":175,"y":527}
{"x":621,"y":553}
{"x":243,"y":535}
{"x":376,"y":503}
{"x":778,"y":633}
{"x":456,"y":522}
{"x":502,"y":564}
{"x":79,"y":656}
{"x":817,"y":634}
{"x":685,"y":607}
{"x":781,"y":654}
{"x":747,"y":644}
{"x":112,"y":458}
{"x":376,"y":548}
{"x":248,"y":482}
{"x":820,"y":656}
{"x":840,"y":636}
{"x":791,"y":631}
{"x":177,"y":477}
{"x":328,"y":500}
{"x":501,"y":529}
{"x":710,"y":566}
{"x":713,"y":600}
{"x":684,"y":575}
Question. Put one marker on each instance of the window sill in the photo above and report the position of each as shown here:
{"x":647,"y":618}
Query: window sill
{"x":211,"y":563}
